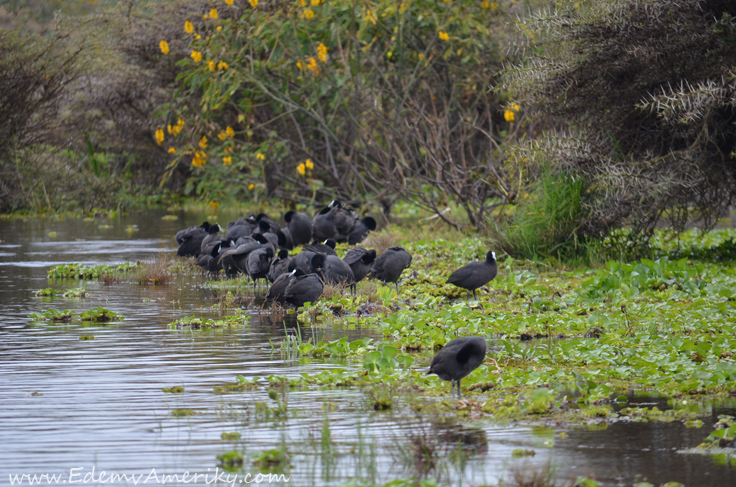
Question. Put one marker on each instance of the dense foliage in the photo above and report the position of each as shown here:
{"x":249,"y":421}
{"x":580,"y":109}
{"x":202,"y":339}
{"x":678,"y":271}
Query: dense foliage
{"x":645,"y":96}
{"x":362,"y":100}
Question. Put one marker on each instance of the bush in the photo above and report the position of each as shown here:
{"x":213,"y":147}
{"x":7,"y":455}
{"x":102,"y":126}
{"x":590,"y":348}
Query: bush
{"x":644,"y":96}
{"x":376,"y":99}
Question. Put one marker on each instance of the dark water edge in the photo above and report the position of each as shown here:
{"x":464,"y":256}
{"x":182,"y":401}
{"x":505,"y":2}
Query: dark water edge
{"x":101,"y":404}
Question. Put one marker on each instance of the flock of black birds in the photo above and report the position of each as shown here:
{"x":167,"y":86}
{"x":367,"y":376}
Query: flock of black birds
{"x":259,"y":247}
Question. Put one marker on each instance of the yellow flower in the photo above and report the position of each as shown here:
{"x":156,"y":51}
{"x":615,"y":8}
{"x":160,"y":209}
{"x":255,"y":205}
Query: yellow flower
{"x":222,"y":65}
{"x":509,"y":115}
{"x":227,"y":160}
{"x":159,"y":136}
{"x":515,"y":106}
{"x":315,"y":3}
{"x":213,"y":13}
{"x":197,"y":56}
{"x":197,"y":36}
{"x":444,"y":36}
{"x":212,"y":65}
{"x":251,"y":186}
{"x":309,"y":164}
{"x":300,"y":66}
{"x":322,"y":52}
{"x":188,"y":27}
{"x":302,"y":3}
{"x":420,"y":56}
{"x":164,"y":47}
{"x":203,"y":142}
{"x":222,"y":136}
{"x":261,"y":157}
{"x":170,"y":129}
{"x":485,"y":4}
{"x":176,"y":128}
{"x":229,"y":131}
{"x":219,"y":27}
{"x":172,"y":150}
{"x":199,"y":159}
{"x":308,"y":13}
{"x":229,"y":3}
{"x":254,"y":3}
{"x":312,"y":65}
{"x":301,"y":169}
{"x":214,"y":204}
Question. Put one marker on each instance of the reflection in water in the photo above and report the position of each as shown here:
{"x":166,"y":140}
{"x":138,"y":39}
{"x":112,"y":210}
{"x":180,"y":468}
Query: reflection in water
{"x":70,"y":403}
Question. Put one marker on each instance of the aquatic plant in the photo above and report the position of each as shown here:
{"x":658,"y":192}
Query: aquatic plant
{"x":100,"y":315}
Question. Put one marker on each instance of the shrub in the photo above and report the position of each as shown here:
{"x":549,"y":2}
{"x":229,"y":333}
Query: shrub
{"x":644,"y":96}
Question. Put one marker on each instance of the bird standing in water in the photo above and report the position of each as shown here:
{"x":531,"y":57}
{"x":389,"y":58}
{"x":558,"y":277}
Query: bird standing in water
{"x":457,"y":359}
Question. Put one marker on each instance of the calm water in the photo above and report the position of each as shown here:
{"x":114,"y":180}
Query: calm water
{"x":67,"y":403}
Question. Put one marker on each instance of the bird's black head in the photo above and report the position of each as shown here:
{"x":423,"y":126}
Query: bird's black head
{"x":282,"y":238}
{"x":269,"y":253}
{"x":213,"y":229}
{"x":369,"y":257}
{"x":288,"y":215}
{"x":318,"y":261}
{"x":261,"y":216}
{"x":263,"y":226}
{"x":205,"y":225}
{"x":330,"y":243}
{"x":491,"y":257}
{"x":283,"y":254}
{"x":258,"y":237}
{"x":369,"y":222}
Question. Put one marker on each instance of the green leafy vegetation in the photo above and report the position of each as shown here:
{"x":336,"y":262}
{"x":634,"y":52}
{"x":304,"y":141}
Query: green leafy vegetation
{"x":188,"y":322}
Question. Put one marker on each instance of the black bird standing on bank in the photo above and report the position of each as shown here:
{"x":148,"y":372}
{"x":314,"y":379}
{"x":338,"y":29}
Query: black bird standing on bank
{"x":475,"y":274}
{"x":364,"y":226}
{"x":300,"y":227}
{"x":390,"y":264}
{"x":303,"y":289}
{"x":457,"y":359}
{"x":360,"y":261}
{"x":190,"y":240}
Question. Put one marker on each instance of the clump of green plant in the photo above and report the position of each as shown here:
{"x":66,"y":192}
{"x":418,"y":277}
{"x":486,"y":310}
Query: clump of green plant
{"x":77,"y":292}
{"x":182,"y":413}
{"x":173,"y":390}
{"x":48,"y":292}
{"x":546,"y":221}
{"x":81,"y":271}
{"x":230,"y":461}
{"x":101,"y":315}
{"x":60,"y":316}
{"x":272,"y":461}
{"x":238,"y":320}
{"x":724,"y":435}
{"x":156,"y":272}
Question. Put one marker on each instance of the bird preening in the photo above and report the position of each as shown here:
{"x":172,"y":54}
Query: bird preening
{"x":457,"y":360}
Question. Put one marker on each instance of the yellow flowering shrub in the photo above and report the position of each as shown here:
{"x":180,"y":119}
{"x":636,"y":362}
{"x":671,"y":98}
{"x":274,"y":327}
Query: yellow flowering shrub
{"x":188,"y":27}
{"x":164,"y":46}
{"x":159,"y":136}
{"x":214,"y":14}
{"x":196,"y":56}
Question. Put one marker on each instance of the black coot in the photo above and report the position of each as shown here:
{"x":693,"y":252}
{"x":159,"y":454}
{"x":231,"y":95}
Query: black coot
{"x":209,"y":259}
{"x":259,"y":262}
{"x":323,"y":227}
{"x":303,"y":289}
{"x":266,"y":230}
{"x":327,"y":247}
{"x":235,"y":260}
{"x":344,"y":220}
{"x":360,"y":261}
{"x":458,"y":359}
{"x":190,"y":240}
{"x":362,"y":229}
{"x":303,"y":261}
{"x":277,"y":291}
{"x":300,"y":227}
{"x":285,"y":239}
{"x":213,"y":235}
{"x":390,"y":264}
{"x":273,"y":226}
{"x":475,"y":274}
{"x":242,"y":227}
{"x":333,"y":270}
{"x":279,"y":265}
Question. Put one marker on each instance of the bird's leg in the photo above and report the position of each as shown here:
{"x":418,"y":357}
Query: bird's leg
{"x":474,"y":296}
{"x":467,"y":298}
{"x":397,"y":288}
{"x":452,"y":387}
{"x":459,"y":394}
{"x":254,"y":287}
